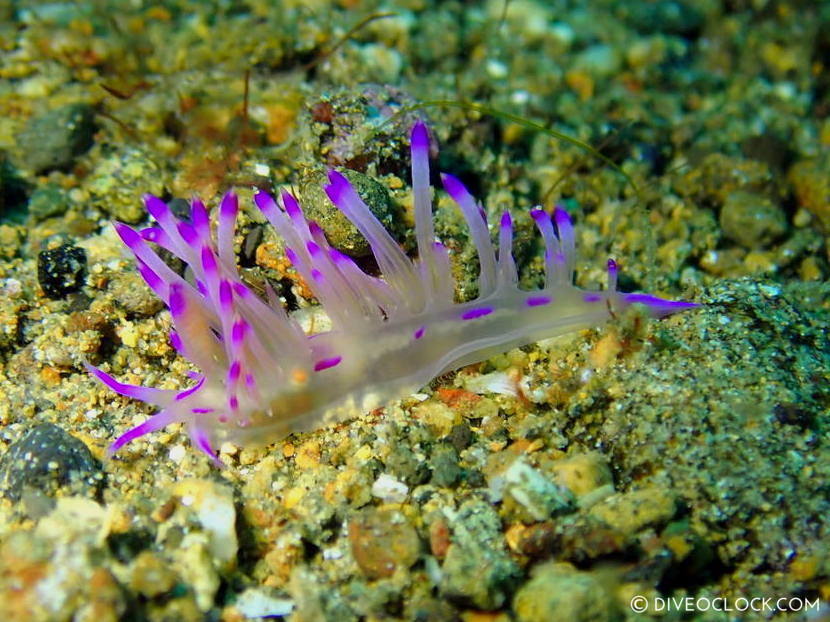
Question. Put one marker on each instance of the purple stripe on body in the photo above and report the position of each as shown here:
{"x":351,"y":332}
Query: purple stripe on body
{"x":240,"y":327}
{"x":234,"y":371}
{"x":538,"y":301}
{"x":225,"y":295}
{"x":326,"y":363}
{"x":660,"y":304}
{"x":472,"y":314}
{"x":592,"y":297}
{"x":420,"y":332}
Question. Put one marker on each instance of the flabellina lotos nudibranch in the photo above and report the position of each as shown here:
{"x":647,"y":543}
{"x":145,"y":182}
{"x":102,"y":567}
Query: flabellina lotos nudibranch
{"x":262,"y":377}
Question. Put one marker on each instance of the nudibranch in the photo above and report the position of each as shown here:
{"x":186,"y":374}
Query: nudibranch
{"x":261,"y":377}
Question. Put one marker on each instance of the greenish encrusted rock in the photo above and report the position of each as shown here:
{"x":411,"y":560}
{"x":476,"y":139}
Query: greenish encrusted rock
{"x":120,"y":179}
{"x":631,"y":511}
{"x":528,"y":495}
{"x":444,"y":464}
{"x":561,"y":592}
{"x":477,"y":570}
{"x":131,"y":292}
{"x":340,"y":232}
{"x":752,"y":220}
{"x":48,"y":200}
{"x":11,"y":239}
{"x":811,"y":185}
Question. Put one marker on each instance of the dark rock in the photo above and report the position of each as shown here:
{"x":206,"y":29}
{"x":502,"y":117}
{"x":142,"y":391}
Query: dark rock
{"x":45,"y":459}
{"x":668,"y":17}
{"x":53,"y":140}
{"x":340,"y":231}
{"x":461,"y":436}
{"x":792,"y":414}
{"x":444,"y":463}
{"x":61,"y":271}
{"x":13,"y":190}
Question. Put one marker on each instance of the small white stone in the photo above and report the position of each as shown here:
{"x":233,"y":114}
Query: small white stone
{"x":389,"y":489}
{"x":213,"y":506}
{"x":256,"y":603}
{"x":332,"y":553}
{"x":498,"y":382}
{"x":177,"y":453}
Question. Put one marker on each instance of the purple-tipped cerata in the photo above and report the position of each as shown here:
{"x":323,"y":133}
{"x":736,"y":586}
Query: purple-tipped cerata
{"x":262,"y":377}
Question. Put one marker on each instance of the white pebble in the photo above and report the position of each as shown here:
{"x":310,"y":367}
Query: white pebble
{"x":389,"y":489}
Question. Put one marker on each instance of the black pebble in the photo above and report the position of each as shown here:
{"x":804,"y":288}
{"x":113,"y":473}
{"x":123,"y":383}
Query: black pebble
{"x":45,"y":459}
{"x":61,"y":271}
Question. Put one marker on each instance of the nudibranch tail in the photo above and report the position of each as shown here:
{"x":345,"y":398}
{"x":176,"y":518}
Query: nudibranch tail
{"x":261,"y":376}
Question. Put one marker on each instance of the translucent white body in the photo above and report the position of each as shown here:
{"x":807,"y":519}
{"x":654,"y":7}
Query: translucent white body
{"x":262,"y":377}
